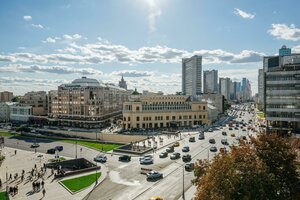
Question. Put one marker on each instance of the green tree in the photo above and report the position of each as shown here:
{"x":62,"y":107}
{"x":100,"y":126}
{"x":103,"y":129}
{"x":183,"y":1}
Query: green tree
{"x":261,"y":169}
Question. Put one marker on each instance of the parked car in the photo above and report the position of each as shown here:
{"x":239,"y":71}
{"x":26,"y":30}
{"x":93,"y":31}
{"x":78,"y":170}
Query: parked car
{"x":101,"y":158}
{"x":213,"y":149}
{"x":186,"y":149}
{"x":224,"y":141}
{"x":230,"y":128}
{"x":189,"y":167}
{"x":51,"y":151}
{"x":146,"y":160}
{"x":170,"y":149}
{"x":154,"y":175}
{"x":176,"y":144}
{"x":146,"y":156}
{"x":125,"y":158}
{"x":59,"y":148}
{"x":224,"y":133}
{"x":163,"y":154}
{"x":244,"y":129}
{"x":186,"y":158}
{"x":210,"y":130}
{"x":212,"y":141}
{"x":192,"y":139}
{"x":175,"y":156}
{"x":34,"y":145}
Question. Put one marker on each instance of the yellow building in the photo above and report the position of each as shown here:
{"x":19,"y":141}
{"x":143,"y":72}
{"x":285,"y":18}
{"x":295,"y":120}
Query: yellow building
{"x":162,"y":111}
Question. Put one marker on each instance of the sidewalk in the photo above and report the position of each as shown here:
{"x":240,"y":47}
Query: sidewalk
{"x":25,"y":160}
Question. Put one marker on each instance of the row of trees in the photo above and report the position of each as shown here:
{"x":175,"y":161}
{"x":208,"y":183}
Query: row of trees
{"x":263,"y":168}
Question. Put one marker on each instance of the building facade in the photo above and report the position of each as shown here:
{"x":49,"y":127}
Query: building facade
{"x":19,"y":113}
{"x":38,"y":101}
{"x":282,"y":93}
{"x":192,"y":75}
{"x":224,"y":87}
{"x":210,"y":81}
{"x":261,"y":83}
{"x":86,"y":103}
{"x":6,"y":96}
{"x":216,"y":100}
{"x":122,"y":83}
{"x":4,"y":112}
{"x":163,"y":111}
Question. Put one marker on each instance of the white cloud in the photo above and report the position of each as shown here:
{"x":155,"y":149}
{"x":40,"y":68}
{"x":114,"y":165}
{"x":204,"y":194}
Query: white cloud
{"x":296,"y":49}
{"x":243,"y":14}
{"x":285,"y":32}
{"x":49,"y":40}
{"x":154,"y":12}
{"x":27,"y":17}
{"x":132,"y":73}
{"x":72,"y":37}
{"x":39,"y":26}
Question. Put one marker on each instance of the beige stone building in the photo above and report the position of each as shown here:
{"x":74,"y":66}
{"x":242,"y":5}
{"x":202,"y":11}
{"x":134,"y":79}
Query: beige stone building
{"x":38,"y":101}
{"x":6,"y":96}
{"x":163,"y":111}
{"x":85,"y":103}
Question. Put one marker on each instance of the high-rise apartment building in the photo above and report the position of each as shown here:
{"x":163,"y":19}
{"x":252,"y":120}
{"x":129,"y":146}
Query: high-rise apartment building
{"x":86,"y":103}
{"x":224,"y":87}
{"x":210,"y":81}
{"x":281,"y":93}
{"x":192,"y":75}
{"x":261,"y":84}
{"x":6,"y":96}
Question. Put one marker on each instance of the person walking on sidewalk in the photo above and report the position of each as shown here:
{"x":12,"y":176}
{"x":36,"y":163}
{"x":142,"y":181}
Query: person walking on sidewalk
{"x":44,"y":192}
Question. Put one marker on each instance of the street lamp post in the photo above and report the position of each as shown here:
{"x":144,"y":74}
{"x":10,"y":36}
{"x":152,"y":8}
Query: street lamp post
{"x":96,"y":182}
{"x":183,"y":196}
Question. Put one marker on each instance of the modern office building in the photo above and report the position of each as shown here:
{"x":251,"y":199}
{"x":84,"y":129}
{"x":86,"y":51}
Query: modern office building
{"x":86,"y":103}
{"x":210,"y":81}
{"x":260,"y":100}
{"x":246,"y":90}
{"x":122,"y":83}
{"x":192,"y":75}
{"x":284,"y":51}
{"x":224,"y":87}
{"x":19,"y":113}
{"x":163,"y":111}
{"x":282,"y":93}
{"x":38,"y":101}
{"x":6,"y":96}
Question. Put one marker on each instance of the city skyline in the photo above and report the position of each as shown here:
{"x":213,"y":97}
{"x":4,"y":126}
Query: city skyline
{"x":143,"y":40}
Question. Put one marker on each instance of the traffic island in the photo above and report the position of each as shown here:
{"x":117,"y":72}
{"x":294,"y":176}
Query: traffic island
{"x":4,"y":196}
{"x":133,"y":149}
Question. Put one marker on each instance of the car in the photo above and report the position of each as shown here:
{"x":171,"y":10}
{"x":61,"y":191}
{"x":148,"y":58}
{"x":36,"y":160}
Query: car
{"x":34,"y":145}
{"x":210,"y":130}
{"x":212,"y":141}
{"x":186,"y":149}
{"x":189,"y":167}
{"x":125,"y":158}
{"x":192,"y":139}
{"x":176,"y":144}
{"x":154,"y":175}
{"x":201,"y":136}
{"x":163,"y":154}
{"x":236,"y":128}
{"x":146,"y":160}
{"x":213,"y":149}
{"x":186,"y":158}
{"x":156,"y":198}
{"x":224,"y":141}
{"x":175,"y":156}
{"x":224,"y":133}
{"x":170,"y":149}
{"x":244,"y":138}
{"x":51,"y":151}
{"x":146,"y":156}
{"x":101,"y":158}
{"x":230,"y":128}
{"x":59,"y":148}
{"x":232,"y":135}
{"x":244,"y":129}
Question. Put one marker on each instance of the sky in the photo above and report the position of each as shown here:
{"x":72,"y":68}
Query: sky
{"x":47,"y":43}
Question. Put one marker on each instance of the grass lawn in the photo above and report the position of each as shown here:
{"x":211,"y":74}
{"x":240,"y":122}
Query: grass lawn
{"x":3,"y":196}
{"x":96,"y":145}
{"x":56,"y":160}
{"x":81,"y":182}
{"x":6,"y":134}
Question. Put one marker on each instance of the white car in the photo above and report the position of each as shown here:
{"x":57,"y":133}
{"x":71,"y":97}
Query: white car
{"x":154,"y":175}
{"x":101,"y":158}
{"x":146,"y":156}
{"x":146,"y":161}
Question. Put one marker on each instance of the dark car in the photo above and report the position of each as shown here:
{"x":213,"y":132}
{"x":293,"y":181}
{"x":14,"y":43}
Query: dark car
{"x":230,"y":128}
{"x":213,"y":149}
{"x":59,"y":148}
{"x":34,"y":145}
{"x":175,"y":156}
{"x":51,"y":151}
{"x":189,"y":167}
{"x":125,"y":158}
{"x":186,"y":158}
{"x":224,"y":142}
{"x":201,"y":137}
{"x":170,"y":149}
{"x":163,"y":155}
{"x":185,"y":149}
{"x":212,"y":141}
{"x":224,"y":133}
{"x":192,"y":139}
{"x":236,"y":128}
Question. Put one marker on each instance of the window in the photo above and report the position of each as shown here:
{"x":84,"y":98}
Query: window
{"x":128,"y":119}
{"x":137,"y":108}
{"x":124,"y":119}
{"x":137,"y":118}
{"x":167,"y":117}
{"x":173,"y":118}
{"x":203,"y":107}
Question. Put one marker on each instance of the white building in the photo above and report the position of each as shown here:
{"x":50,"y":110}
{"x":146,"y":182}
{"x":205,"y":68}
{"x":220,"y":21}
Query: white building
{"x":192,"y":75}
{"x":20,"y":113}
{"x":210,"y":81}
{"x":224,"y":87}
{"x":4,"y":112}
{"x":261,"y":78}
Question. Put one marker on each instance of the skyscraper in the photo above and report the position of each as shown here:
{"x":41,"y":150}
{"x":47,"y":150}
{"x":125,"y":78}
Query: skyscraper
{"x":122,"y":83}
{"x":192,"y":75}
{"x":210,"y":81}
{"x":224,"y":87}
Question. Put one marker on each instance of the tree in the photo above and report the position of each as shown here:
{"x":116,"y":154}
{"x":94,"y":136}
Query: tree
{"x":261,"y":169}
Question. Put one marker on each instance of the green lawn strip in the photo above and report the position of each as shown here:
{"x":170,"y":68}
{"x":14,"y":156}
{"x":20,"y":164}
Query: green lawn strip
{"x":79,"y":183}
{"x":56,"y":160}
{"x":95,"y":145}
{"x":3,"y":196}
{"x":6,"y":134}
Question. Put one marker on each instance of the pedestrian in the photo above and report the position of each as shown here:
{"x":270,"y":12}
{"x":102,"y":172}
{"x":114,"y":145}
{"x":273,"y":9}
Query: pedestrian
{"x":43,"y":184}
{"x":10,"y":176}
{"x":15,"y":152}
{"x":0,"y":183}
{"x":33,"y":186}
{"x":34,"y":166}
{"x":44,"y":192}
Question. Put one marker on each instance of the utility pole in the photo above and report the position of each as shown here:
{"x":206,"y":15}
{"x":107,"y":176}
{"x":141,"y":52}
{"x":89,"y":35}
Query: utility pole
{"x":183,"y":196}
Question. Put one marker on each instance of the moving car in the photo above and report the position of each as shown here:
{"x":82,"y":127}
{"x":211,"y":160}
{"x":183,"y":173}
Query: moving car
{"x":244,"y":129}
{"x":201,"y":137}
{"x":224,"y":133}
{"x":125,"y":158}
{"x":189,"y":167}
{"x":170,"y":149}
{"x":34,"y":145}
{"x":192,"y":139}
{"x":59,"y":148}
{"x":51,"y":151}
{"x":175,"y":156}
{"x":186,"y":158}
{"x":212,"y":141}
{"x":146,"y":160}
{"x":176,"y":144}
{"x":163,"y":154}
{"x":224,"y":141}
{"x":154,"y":175}
{"x":146,"y":156}
{"x":230,"y":128}
{"x":185,"y":149}
{"x":210,"y":130}
{"x":236,"y":128}
{"x":101,"y":158}
{"x":232,"y":135}
{"x":213,"y":149}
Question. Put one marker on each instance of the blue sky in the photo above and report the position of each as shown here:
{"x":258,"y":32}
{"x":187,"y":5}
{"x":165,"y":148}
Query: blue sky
{"x":47,"y":43}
